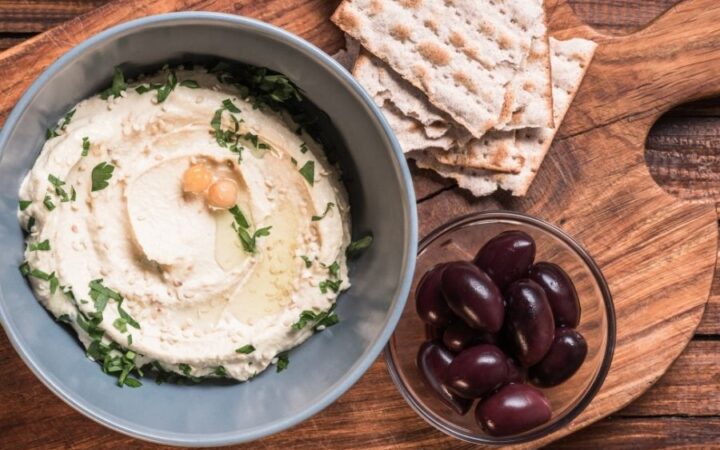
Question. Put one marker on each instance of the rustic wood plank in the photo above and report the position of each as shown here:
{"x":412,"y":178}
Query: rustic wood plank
{"x":619,"y":16}
{"x":698,"y":433}
{"x":39,"y":15}
{"x":691,"y":386}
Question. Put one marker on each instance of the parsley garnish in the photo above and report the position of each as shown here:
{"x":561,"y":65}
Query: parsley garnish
{"x":322,"y":319}
{"x":28,"y":271}
{"x":192,"y":84}
{"x":308,"y":172}
{"x":164,"y":91}
{"x":31,"y":223}
{"x":118,"y":85}
{"x":85,"y":146}
{"x":47,"y":201}
{"x":333,"y":283}
{"x":24,"y":204}
{"x":60,"y":191}
{"x":221,"y":371}
{"x":329,"y":206}
{"x":185,"y":369}
{"x":100,"y":176}
{"x":242,"y":228}
{"x":53,"y":132}
{"x":64,"y":318}
{"x":40,"y":246}
{"x":359,"y":245}
{"x":303,"y":148}
{"x":245,"y":349}
{"x":308,"y":262}
{"x":143,"y":88}
{"x":282,"y":362}
{"x":230,"y":106}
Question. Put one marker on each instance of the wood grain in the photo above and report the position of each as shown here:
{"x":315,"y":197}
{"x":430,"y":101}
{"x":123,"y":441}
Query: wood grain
{"x":39,"y":420}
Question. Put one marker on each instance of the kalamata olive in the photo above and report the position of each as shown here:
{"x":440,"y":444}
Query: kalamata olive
{"x":529,"y":321}
{"x":566,"y":355}
{"x":433,"y":361}
{"x":477,"y":371}
{"x":514,"y":409}
{"x":560,"y":292}
{"x":429,"y":302}
{"x":507,"y":257}
{"x":473,"y":296}
{"x":516,"y":372}
{"x":458,"y":336}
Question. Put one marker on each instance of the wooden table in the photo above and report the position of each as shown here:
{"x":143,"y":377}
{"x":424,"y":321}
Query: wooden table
{"x":682,"y":410}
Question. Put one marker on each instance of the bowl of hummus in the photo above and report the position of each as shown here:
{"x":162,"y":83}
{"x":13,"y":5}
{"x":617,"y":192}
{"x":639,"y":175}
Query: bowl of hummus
{"x":210,"y":230}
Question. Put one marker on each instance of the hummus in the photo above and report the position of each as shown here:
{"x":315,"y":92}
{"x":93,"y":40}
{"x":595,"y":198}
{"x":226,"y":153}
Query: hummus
{"x":130,"y":250}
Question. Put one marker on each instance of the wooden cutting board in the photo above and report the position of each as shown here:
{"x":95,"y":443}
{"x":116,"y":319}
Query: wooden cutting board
{"x":657,"y":252}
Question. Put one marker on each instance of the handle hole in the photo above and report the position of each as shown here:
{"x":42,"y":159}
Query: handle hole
{"x":682,"y":151}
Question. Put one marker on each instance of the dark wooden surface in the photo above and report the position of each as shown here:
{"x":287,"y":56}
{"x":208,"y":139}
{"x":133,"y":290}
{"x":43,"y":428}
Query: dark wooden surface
{"x":682,"y":410}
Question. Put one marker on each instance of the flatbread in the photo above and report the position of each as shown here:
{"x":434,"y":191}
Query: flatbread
{"x":411,"y":134}
{"x":463,"y":54}
{"x":405,"y":106}
{"x":570,"y":60}
{"x":533,"y":105}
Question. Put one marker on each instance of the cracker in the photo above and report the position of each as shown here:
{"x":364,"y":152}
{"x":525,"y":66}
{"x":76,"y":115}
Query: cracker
{"x":533,"y":105}
{"x":570,"y":60}
{"x":386,"y":86}
{"x":496,"y":150}
{"x":411,"y":134}
{"x":463,"y":54}
{"x":397,"y":98}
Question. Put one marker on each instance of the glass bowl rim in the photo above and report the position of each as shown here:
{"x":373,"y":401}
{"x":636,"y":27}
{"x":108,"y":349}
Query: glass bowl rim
{"x":597,"y":383}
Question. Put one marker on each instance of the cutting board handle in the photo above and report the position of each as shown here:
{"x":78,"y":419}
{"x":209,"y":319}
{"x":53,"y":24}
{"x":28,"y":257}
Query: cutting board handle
{"x":638,"y":77}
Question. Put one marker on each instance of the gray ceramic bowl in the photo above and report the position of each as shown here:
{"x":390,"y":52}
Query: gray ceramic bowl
{"x":320,"y":370}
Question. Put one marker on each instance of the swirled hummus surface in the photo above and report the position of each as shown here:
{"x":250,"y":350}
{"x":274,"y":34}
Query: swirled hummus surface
{"x":174,"y":222}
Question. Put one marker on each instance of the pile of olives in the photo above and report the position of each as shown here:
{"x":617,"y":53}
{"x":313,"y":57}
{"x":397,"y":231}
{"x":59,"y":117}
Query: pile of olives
{"x":496,"y":325}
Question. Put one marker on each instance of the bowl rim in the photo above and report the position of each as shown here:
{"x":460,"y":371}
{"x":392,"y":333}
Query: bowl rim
{"x":591,"y":391}
{"x":399,"y":296}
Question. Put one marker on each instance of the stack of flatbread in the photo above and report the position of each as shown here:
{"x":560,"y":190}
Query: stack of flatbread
{"x":474,"y":89}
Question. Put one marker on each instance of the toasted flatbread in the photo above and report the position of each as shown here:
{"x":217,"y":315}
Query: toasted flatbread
{"x":570,"y":60}
{"x":463,"y":54}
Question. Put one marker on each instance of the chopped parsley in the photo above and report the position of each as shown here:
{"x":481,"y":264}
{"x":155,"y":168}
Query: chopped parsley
{"x":322,"y":319}
{"x":64,"y":318}
{"x":185,"y":369}
{"x":24,"y":204}
{"x":47,"y":201}
{"x":40,"y":246}
{"x":192,"y":84}
{"x":164,"y":91}
{"x":221,"y":371}
{"x":293,"y":161}
{"x":328,"y":207}
{"x":100,"y":176}
{"x":357,"y":246}
{"x":229,"y":138}
{"x":303,"y":148}
{"x":117,"y":87}
{"x":51,"y":278}
{"x":308,"y":262}
{"x":333,"y":283}
{"x":54,"y":132}
{"x":60,"y":190}
{"x":242,"y":228}
{"x":245,"y":349}
{"x":230,"y":106}
{"x":143,"y":88}
{"x":308,"y":172}
{"x":85,"y":146}
{"x":282,"y":362}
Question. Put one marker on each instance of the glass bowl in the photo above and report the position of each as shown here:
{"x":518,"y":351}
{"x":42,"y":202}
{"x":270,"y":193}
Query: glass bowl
{"x":460,"y":240}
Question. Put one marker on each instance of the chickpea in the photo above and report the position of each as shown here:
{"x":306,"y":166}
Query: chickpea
{"x":196,"y":178}
{"x":223,"y":193}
